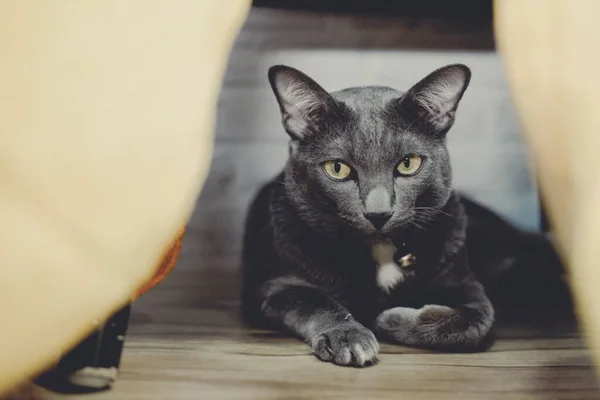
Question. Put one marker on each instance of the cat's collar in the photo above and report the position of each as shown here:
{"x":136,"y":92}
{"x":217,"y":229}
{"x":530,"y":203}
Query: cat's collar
{"x":403,"y":257}
{"x":398,"y":252}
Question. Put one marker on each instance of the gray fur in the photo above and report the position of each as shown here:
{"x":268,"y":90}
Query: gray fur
{"x":378,"y":201}
{"x":307,"y":262}
{"x":436,"y":326}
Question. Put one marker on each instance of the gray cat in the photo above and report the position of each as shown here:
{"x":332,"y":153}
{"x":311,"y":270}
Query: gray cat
{"x":362,"y":231}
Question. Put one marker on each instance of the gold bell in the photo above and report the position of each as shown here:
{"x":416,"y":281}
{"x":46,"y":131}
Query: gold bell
{"x":407,"y":260}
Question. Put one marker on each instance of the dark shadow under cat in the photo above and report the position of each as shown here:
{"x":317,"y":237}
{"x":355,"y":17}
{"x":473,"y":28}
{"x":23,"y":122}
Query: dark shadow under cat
{"x":362,"y":234}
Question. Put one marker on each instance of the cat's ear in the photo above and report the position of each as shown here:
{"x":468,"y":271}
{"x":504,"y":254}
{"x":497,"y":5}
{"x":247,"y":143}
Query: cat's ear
{"x":435,"y":98}
{"x":303,"y":103}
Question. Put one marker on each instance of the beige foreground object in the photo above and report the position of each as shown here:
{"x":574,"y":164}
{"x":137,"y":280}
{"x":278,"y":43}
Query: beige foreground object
{"x":550,"y":50}
{"x":107,"y":110}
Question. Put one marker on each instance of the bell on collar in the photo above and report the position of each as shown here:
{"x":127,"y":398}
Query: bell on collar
{"x":407,"y":260}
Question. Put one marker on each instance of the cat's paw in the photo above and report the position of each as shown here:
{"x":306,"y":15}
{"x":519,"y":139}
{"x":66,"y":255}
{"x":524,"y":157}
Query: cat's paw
{"x":434,"y":327}
{"x":349,"y":344}
{"x":401,"y":323}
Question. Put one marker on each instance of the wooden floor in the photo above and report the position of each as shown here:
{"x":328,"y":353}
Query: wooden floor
{"x":186,"y":340}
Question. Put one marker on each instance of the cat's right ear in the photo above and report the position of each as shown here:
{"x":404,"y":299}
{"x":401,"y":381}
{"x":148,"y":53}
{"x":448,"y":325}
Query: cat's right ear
{"x":303,"y":103}
{"x":435,"y":98}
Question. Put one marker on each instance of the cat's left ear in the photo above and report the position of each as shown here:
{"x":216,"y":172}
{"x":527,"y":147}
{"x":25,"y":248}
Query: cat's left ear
{"x":304,"y":104}
{"x":435,"y":98}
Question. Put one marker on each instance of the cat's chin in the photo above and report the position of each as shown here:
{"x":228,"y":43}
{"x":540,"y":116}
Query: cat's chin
{"x":385,"y":235}
{"x":381,"y":236}
{"x":378,"y":238}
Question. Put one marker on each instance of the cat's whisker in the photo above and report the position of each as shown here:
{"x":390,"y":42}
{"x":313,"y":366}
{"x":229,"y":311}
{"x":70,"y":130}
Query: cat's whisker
{"x":428,"y":219}
{"x":420,"y":227}
{"x":421,"y":219}
{"x":390,"y":242}
{"x":433,"y":210}
{"x":430,"y":212}
{"x":429,"y":223}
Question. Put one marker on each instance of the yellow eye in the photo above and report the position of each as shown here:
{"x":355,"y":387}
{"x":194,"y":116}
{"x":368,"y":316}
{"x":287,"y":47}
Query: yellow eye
{"x":337,"y":170}
{"x":410,"y":165}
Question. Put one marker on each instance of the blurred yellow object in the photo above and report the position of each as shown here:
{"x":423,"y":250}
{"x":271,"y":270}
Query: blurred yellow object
{"x":550,"y":50}
{"x":105,"y":141}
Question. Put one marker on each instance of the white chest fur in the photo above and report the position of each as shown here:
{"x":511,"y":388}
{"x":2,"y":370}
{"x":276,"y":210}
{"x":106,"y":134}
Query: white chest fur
{"x":389,"y":273}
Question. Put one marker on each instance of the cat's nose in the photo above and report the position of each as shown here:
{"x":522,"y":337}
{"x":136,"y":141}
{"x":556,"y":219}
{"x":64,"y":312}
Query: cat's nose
{"x":378,"y":207}
{"x":378,"y":219}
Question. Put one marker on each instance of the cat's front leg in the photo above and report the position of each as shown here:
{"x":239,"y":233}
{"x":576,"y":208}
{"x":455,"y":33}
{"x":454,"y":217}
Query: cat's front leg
{"x":328,"y":327}
{"x":458,"y":328}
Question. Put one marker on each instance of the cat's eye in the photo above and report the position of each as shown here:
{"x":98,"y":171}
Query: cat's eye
{"x":337,"y":170}
{"x":410,"y":165}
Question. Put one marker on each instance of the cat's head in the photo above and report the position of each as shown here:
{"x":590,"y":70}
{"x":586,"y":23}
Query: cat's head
{"x":369,"y":159}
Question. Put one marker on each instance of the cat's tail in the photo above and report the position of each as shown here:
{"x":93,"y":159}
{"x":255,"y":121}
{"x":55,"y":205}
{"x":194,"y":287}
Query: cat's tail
{"x":515,"y":266}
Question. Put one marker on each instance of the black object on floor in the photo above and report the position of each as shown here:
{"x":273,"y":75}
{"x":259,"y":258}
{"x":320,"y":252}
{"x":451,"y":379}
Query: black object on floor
{"x":93,"y":364}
